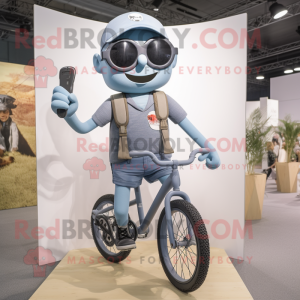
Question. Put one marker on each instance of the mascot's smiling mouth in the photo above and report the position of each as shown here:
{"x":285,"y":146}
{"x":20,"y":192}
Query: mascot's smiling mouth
{"x":141,"y":79}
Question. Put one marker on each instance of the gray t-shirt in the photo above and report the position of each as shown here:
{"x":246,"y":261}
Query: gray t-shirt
{"x":143,"y":128}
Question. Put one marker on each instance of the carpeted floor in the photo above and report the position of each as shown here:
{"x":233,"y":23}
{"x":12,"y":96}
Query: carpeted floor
{"x":273,"y":274}
{"x":17,"y":281}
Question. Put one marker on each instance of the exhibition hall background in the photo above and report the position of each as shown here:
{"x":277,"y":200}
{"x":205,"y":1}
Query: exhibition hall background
{"x":286,"y":90}
{"x":214,"y":101}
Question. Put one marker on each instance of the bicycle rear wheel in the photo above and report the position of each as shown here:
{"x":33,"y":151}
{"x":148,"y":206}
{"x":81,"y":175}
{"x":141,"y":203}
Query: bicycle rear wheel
{"x":104,"y":243}
{"x":187,"y":265}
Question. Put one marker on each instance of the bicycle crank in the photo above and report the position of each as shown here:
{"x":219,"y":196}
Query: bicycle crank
{"x":107,"y":232}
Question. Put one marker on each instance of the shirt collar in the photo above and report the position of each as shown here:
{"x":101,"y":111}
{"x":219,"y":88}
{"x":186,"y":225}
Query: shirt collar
{"x":133,"y":104}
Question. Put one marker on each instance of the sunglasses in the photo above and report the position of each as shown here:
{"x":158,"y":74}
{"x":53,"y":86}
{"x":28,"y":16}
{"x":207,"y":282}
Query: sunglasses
{"x":122,"y":55}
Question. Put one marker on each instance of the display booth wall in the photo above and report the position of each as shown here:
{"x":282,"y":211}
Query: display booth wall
{"x":213,"y":100}
{"x":286,"y":90}
{"x":251,"y":106}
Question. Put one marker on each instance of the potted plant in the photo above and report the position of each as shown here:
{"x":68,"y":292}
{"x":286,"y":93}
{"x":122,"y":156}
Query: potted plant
{"x":287,"y":171}
{"x":256,"y":138}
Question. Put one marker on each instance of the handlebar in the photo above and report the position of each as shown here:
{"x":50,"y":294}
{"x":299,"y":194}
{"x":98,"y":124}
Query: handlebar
{"x":171,"y":162}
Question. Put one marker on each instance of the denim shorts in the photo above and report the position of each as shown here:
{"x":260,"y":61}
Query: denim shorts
{"x":131,"y":173}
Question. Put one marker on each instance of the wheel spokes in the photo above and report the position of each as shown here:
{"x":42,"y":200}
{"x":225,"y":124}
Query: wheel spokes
{"x":181,"y":258}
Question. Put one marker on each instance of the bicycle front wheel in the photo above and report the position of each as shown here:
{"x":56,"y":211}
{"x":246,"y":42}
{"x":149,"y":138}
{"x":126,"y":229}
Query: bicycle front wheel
{"x":187,"y":265}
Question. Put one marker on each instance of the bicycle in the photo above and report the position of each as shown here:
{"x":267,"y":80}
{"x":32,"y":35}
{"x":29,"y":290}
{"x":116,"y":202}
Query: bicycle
{"x":189,"y":245}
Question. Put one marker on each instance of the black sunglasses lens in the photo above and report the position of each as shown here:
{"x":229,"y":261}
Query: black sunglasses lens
{"x":159,"y":52}
{"x":123,"y":54}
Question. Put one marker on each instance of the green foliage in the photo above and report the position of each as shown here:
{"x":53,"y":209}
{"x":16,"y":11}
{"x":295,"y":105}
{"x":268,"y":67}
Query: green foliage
{"x":290,"y":130}
{"x":256,"y":139}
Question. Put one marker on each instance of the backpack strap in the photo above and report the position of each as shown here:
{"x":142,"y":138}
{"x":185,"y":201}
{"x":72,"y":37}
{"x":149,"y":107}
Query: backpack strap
{"x":162,"y":114}
{"x":121,"y":117}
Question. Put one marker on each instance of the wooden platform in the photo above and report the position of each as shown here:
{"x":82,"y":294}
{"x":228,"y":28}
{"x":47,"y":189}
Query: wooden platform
{"x":84,"y":274}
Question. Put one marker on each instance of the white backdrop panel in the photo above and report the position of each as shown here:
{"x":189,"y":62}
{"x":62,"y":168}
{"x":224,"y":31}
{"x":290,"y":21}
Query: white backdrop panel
{"x":215,"y":103}
{"x":286,"y":90}
{"x":251,"y":106}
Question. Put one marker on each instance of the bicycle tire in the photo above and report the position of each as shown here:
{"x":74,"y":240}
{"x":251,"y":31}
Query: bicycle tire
{"x":202,"y":242}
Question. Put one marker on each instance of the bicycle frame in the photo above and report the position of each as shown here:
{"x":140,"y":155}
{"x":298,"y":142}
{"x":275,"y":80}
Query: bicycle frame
{"x":173,"y":181}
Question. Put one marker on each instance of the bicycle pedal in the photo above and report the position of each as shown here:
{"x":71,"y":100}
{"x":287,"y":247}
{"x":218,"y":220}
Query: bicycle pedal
{"x":126,"y":249}
{"x":129,"y":249}
{"x":142,"y":236}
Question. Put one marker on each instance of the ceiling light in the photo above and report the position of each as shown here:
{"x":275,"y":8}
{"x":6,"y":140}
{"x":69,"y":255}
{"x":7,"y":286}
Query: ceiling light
{"x":260,"y":77}
{"x":157,"y":4}
{"x":288,"y":71}
{"x":277,"y":10}
{"x":297,"y":68}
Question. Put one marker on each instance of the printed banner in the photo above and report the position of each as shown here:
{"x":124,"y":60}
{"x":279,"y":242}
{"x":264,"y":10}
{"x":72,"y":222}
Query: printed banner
{"x":17,"y":136}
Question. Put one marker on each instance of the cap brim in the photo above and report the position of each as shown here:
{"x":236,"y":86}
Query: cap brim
{"x":134,"y":27}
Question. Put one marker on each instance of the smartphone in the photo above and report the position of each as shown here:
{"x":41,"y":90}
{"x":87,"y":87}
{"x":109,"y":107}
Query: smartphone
{"x":66,"y":80}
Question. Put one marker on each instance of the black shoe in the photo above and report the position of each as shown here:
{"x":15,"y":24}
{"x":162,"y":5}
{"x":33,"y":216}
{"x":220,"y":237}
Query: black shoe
{"x":124,"y":240}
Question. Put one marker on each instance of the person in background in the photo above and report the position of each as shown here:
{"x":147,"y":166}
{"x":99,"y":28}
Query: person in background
{"x":282,"y":157}
{"x":9,"y":134}
{"x":276,"y":147}
{"x":276,"y":138}
{"x":296,"y":149}
{"x":297,"y":155}
{"x":272,"y":159}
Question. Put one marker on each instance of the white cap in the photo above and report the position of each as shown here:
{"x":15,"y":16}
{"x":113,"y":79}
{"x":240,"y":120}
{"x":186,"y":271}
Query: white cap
{"x":128,"y":21}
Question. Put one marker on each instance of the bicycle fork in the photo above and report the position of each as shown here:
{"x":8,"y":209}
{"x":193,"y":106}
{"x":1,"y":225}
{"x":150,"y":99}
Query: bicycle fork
{"x":173,"y":242}
{"x":176,"y":192}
